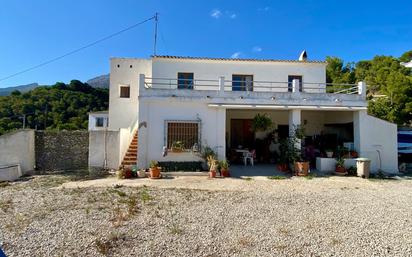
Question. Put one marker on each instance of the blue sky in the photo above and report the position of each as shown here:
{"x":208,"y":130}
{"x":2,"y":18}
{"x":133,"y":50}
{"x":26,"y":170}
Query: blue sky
{"x":34,"y":31}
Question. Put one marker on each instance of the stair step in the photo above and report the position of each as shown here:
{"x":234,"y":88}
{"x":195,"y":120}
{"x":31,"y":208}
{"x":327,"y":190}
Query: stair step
{"x":131,"y":154}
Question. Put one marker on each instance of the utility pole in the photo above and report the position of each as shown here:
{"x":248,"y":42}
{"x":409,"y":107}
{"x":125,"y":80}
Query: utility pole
{"x":155,"y":34}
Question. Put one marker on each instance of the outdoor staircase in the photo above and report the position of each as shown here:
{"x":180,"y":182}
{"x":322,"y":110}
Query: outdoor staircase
{"x":130,"y":157}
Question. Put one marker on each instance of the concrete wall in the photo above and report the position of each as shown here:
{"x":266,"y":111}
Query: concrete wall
{"x":93,"y":118}
{"x":104,"y":149}
{"x":123,"y":112}
{"x":61,"y":150}
{"x":373,"y":135}
{"x":18,"y":148}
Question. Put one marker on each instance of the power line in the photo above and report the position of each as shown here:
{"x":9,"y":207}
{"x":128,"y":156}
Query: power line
{"x":78,"y":49}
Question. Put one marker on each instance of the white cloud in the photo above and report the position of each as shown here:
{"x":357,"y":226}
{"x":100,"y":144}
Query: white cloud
{"x":233,"y":16}
{"x":257,"y":49}
{"x":216,"y":13}
{"x":236,"y":55}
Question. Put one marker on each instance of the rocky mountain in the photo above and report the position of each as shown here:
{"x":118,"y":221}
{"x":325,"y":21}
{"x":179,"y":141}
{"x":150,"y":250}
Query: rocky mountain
{"x":21,"y":88}
{"x":101,"y":81}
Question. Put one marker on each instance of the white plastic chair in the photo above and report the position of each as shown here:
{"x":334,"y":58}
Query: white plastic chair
{"x":249,"y":156}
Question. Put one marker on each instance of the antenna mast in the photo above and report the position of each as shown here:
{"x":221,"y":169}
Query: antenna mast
{"x":155,"y":34}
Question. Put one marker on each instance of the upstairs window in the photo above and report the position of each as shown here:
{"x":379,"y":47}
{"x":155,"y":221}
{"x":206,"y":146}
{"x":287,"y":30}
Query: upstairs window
{"x":125,"y":91}
{"x":99,"y":122}
{"x":242,"y":82}
{"x":290,"y":81}
{"x":184,"y":134}
{"x":185,"y":80}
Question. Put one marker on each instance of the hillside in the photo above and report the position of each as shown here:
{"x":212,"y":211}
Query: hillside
{"x":60,"y":106}
{"x":22,"y":88}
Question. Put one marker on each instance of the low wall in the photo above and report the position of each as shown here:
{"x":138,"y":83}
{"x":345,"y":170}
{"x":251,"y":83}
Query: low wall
{"x":104,"y":148}
{"x":18,"y":148}
{"x":62,"y":150}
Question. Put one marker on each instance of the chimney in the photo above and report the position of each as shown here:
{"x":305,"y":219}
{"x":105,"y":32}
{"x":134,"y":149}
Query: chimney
{"x":303,"y":56}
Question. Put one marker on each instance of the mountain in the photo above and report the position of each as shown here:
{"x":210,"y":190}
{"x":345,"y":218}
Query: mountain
{"x":101,"y":81}
{"x":22,"y":88}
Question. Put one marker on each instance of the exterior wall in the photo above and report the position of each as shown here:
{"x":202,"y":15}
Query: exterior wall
{"x":104,"y":149}
{"x":123,"y":112}
{"x":261,"y":71}
{"x":18,"y":148}
{"x":61,"y":150}
{"x":373,"y":135}
{"x":92,"y":121}
{"x":152,"y":133}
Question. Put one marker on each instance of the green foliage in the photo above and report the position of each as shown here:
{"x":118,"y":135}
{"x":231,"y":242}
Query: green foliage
{"x":261,"y":122}
{"x":61,"y":106}
{"x":389,"y":84}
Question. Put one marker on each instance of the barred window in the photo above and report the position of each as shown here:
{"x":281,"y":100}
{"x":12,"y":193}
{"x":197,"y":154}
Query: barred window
{"x":183,"y":134}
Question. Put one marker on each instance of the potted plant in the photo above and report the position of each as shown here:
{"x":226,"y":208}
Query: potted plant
{"x":329,"y":153}
{"x":340,"y":166}
{"x":141,"y":173}
{"x":283,"y":156}
{"x":177,"y":147}
{"x":205,"y":153}
{"x":120,"y":173}
{"x":154,"y":169}
{"x":261,"y":124}
{"x":212,"y":163}
{"x":224,"y":168}
{"x":295,"y":154}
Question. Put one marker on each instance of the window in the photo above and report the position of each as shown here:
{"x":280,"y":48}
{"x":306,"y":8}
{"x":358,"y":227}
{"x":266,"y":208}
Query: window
{"x":242,"y":82}
{"x":290,"y":80}
{"x":184,"y":80}
{"x":125,"y":91}
{"x":186,"y":132}
{"x":99,"y":121}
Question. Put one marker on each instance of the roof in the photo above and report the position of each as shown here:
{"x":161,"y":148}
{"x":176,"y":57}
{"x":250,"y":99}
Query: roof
{"x":230,"y":59}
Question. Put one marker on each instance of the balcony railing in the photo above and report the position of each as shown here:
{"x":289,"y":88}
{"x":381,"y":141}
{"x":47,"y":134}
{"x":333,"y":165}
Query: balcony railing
{"x":252,"y":86}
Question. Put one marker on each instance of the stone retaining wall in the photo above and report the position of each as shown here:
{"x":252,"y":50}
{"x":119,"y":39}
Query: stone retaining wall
{"x":61,"y":150}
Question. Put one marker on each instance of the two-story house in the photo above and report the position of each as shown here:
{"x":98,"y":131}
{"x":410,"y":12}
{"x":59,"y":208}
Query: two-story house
{"x":200,"y":102}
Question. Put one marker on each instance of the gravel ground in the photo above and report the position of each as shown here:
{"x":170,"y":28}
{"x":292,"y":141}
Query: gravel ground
{"x":292,"y":217}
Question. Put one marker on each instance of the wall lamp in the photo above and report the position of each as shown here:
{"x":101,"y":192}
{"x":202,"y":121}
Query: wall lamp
{"x":241,"y":97}
{"x":338,"y":100}
{"x":273,"y":98}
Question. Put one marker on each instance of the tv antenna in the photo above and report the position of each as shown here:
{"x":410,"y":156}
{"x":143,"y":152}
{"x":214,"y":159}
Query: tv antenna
{"x":156,"y":18}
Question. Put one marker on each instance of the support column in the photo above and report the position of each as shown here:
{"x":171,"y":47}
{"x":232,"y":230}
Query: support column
{"x":221,"y":85}
{"x":359,"y":128}
{"x":221,"y":133}
{"x":362,"y":89}
{"x":294,"y":121}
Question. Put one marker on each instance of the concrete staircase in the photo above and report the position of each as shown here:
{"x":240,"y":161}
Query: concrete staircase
{"x":130,"y":157}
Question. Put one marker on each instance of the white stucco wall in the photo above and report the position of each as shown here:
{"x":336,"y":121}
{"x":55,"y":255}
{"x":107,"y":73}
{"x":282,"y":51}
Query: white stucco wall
{"x":18,"y":148}
{"x":261,"y":71}
{"x":373,"y":135}
{"x":123,"y":112}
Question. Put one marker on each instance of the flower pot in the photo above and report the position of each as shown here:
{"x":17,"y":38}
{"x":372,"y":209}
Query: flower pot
{"x":283,"y":167}
{"x":340,"y":169}
{"x":301,"y":168}
{"x":329,"y":154}
{"x":354,"y":154}
{"x":154,"y":172}
{"x":177,"y":150}
{"x":128,"y":173}
{"x":224,"y":173}
{"x":141,"y":173}
{"x":212,"y":174}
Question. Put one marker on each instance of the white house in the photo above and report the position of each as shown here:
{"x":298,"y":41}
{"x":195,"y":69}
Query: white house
{"x":211,"y":101}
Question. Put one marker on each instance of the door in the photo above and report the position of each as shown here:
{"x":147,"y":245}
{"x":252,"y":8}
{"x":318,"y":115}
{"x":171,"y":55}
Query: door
{"x":241,"y":133}
{"x":290,"y":80}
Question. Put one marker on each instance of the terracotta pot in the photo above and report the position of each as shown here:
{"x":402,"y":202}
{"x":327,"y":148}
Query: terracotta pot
{"x":302,"y":168}
{"x":128,"y":173}
{"x":283,"y":167}
{"x":224,"y":173}
{"x":212,"y":174}
{"x":354,"y":154}
{"x":154,"y":172}
{"x":340,"y":169}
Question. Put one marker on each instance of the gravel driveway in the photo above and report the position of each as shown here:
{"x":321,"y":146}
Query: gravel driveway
{"x":335,"y":216}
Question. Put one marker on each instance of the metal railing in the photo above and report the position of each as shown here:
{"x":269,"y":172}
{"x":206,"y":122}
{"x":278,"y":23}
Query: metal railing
{"x":191,"y":84}
{"x":250,"y":86}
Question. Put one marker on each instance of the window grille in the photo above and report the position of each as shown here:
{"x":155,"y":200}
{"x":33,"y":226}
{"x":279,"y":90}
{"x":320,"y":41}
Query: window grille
{"x":186,"y":132}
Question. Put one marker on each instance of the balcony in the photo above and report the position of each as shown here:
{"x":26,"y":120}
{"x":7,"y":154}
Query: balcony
{"x":254,"y":91}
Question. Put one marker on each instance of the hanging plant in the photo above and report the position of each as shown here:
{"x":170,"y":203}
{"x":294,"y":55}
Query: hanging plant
{"x":261,"y":122}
